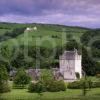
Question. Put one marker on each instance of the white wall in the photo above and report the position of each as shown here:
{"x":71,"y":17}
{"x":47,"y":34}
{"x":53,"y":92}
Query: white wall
{"x":78,"y":66}
{"x":67,"y":68}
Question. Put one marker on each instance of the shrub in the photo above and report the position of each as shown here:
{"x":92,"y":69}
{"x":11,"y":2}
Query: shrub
{"x":74,"y":85}
{"x":4,"y":87}
{"x":77,"y":85}
{"x":96,"y":84}
{"x":37,"y":87}
{"x":21,"y":79}
{"x":55,"y":86}
{"x":52,"y":86}
{"x":98,"y":75}
{"x":46,"y":75}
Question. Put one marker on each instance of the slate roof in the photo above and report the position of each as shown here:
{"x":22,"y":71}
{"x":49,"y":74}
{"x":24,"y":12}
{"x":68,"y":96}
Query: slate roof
{"x":68,"y":55}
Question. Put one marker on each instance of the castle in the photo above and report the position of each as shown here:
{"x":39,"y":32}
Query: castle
{"x":70,"y":64}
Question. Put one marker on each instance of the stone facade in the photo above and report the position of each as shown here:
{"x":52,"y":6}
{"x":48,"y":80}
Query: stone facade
{"x":70,"y":64}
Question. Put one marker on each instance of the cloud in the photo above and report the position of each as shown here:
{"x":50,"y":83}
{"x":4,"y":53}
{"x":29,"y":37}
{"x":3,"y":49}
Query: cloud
{"x":68,"y":12}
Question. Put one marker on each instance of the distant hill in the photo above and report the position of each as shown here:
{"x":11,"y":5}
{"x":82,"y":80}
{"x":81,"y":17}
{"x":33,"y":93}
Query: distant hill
{"x":49,"y":31}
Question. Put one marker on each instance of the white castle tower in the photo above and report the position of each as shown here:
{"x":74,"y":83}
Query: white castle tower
{"x":70,"y":64}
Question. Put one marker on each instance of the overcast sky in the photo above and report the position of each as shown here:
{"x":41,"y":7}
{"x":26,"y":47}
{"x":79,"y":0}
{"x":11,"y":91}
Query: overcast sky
{"x":84,"y":13}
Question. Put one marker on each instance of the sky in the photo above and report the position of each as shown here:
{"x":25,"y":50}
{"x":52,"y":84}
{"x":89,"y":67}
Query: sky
{"x":85,"y":13}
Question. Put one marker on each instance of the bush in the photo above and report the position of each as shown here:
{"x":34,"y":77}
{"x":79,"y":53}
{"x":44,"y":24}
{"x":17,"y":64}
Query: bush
{"x":37,"y":87}
{"x":96,"y":84}
{"x":55,"y":86}
{"x":21,"y":79}
{"x":4,"y":88}
{"x":98,"y":75}
{"x":77,"y":85}
{"x":74,"y":85}
{"x":52,"y":86}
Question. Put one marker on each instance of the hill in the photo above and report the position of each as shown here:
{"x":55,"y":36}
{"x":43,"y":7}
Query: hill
{"x":46,"y":32}
{"x":19,"y":47}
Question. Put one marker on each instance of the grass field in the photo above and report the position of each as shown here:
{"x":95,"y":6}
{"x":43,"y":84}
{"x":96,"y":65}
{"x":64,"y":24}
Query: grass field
{"x":23,"y":94}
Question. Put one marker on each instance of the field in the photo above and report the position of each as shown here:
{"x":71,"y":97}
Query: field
{"x":23,"y":94}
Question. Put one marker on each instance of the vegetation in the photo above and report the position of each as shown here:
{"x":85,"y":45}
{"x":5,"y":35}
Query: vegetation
{"x":56,"y":86}
{"x":4,"y":87}
{"x":24,"y":49}
{"x":46,"y":82}
{"x":21,"y":79}
{"x":38,"y":87}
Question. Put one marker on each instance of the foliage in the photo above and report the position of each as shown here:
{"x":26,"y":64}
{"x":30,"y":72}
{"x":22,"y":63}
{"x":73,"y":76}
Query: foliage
{"x":71,"y":45}
{"x":98,"y":75}
{"x":69,"y":37}
{"x":46,"y":75}
{"x":89,"y":65}
{"x":37,"y":87}
{"x":4,"y":87}
{"x":21,"y":79}
{"x":95,"y":49}
{"x":87,"y":36}
{"x":78,"y":84}
{"x":56,"y":86}
{"x":96,"y":84}
{"x":47,"y":83}
{"x":3,"y":74}
{"x":51,"y":86}
{"x":12,"y":34}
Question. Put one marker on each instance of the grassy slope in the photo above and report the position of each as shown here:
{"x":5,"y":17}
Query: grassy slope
{"x":44,"y":32}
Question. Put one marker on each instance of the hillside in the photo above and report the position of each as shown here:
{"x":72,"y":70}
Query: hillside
{"x":41,"y":48}
{"x":48,"y":31}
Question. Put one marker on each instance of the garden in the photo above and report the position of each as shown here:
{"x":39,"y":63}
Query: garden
{"x":46,"y":88}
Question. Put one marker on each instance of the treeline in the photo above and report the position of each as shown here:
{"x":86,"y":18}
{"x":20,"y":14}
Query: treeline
{"x":41,"y":57}
{"x":91,"y":39}
{"x":12,"y":34}
{"x":33,"y":56}
{"x":89,"y":36}
{"x":91,"y":51}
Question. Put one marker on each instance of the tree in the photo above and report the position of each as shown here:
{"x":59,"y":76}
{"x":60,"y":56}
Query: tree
{"x":72,"y":44}
{"x":89,"y":66}
{"x":88,"y":35}
{"x":3,"y":74}
{"x":21,"y":78}
{"x":3,"y":80}
{"x":69,"y":36}
{"x":46,"y":75}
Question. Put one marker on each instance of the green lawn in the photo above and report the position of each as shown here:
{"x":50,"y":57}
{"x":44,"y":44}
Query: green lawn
{"x":23,"y":94}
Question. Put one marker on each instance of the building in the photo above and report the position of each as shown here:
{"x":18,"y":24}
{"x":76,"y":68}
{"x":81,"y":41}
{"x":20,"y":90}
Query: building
{"x":28,"y":29}
{"x":70,"y":64}
{"x":35,"y":28}
{"x":31,"y":29}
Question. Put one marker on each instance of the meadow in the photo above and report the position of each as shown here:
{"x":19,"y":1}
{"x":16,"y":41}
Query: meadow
{"x":69,"y":94}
